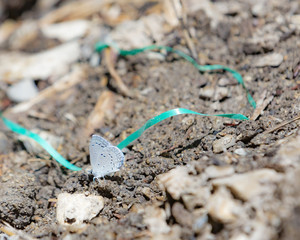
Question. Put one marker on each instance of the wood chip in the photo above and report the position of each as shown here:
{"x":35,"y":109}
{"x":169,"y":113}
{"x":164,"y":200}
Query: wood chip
{"x":104,"y":106}
{"x":282,"y":124}
{"x":108,"y":55}
{"x":262,"y":103}
{"x":73,"y":10}
{"x":66,"y":82}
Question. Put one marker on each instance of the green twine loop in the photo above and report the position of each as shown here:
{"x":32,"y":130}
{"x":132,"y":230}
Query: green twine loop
{"x":174,"y":112}
{"x":101,"y":46}
{"x":168,"y":114}
{"x":23,"y":131}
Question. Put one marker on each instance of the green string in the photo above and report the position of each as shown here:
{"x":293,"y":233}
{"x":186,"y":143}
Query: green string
{"x":168,"y":114}
{"x":100,"y":46}
{"x":60,"y":159}
{"x":23,"y":131}
{"x":174,"y":112}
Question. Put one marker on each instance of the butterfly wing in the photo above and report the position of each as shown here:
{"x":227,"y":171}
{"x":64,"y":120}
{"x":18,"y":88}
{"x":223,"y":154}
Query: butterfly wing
{"x":100,"y":141}
{"x":97,"y":145}
{"x":105,"y":158}
{"x":117,"y":157}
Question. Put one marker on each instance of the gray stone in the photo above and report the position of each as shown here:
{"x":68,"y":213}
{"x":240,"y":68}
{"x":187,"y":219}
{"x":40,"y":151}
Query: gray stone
{"x":74,"y":210}
{"x":272,"y":60}
{"x":223,"y":143}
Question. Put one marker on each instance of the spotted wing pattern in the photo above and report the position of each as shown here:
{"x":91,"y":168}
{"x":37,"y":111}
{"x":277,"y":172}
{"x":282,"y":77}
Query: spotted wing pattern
{"x":105,"y":158}
{"x":100,"y":141}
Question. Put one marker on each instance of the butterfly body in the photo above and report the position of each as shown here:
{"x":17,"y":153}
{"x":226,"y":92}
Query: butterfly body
{"x":105,"y":158}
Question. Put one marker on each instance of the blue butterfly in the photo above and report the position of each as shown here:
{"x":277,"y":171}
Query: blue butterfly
{"x":105,"y":158}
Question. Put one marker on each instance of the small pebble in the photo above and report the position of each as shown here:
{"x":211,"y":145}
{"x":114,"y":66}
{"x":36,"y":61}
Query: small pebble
{"x":219,"y":171}
{"x":206,"y":92}
{"x":250,"y":185}
{"x":200,"y":223}
{"x":223,"y":82}
{"x":240,"y":151}
{"x":74,"y":210}
{"x":295,"y":19}
{"x":221,"y":93}
{"x":22,"y":91}
{"x":222,"y":207}
{"x":95,"y":60}
{"x":260,"y":9}
{"x":272,"y":60}
{"x":223,"y":143}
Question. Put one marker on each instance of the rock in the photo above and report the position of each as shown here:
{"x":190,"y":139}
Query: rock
{"x":179,"y":184}
{"x":67,"y":31}
{"x":207,"y":92}
{"x":198,"y":197}
{"x":222,"y":207}
{"x":94,"y":59}
{"x":260,"y":9}
{"x":155,"y":56}
{"x":181,"y":215}
{"x":223,"y":143}
{"x":240,"y":236}
{"x":74,"y":210}
{"x":223,"y":82}
{"x":250,"y":185}
{"x":172,"y":12}
{"x":223,"y":30}
{"x":139,"y":33}
{"x":176,"y":182}
{"x":228,"y":8}
{"x":240,"y":151}
{"x":155,"y":218}
{"x":272,"y":60}
{"x":261,"y":231}
{"x":217,"y":93}
{"x":148,"y":193}
{"x":210,"y":10}
{"x":259,"y":44}
{"x":221,"y":93}
{"x":22,"y":91}
{"x":199,"y":223}
{"x":289,"y":153}
{"x":295,"y":20}
{"x":218,"y":171}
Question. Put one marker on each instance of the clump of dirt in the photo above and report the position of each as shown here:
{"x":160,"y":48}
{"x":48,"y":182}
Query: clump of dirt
{"x":18,"y":200}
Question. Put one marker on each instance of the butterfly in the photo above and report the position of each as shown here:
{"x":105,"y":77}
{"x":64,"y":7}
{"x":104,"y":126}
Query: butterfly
{"x":105,"y":158}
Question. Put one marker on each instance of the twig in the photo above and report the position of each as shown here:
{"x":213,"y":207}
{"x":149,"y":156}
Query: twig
{"x":10,"y":231}
{"x":296,"y":70}
{"x":183,"y":22}
{"x":111,"y":68}
{"x":282,"y":124}
{"x":73,"y":10}
{"x":73,"y":78}
{"x":262,"y":103}
{"x":103,"y":107}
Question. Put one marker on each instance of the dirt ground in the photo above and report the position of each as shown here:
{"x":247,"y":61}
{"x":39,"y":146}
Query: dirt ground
{"x":174,"y":184}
